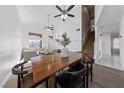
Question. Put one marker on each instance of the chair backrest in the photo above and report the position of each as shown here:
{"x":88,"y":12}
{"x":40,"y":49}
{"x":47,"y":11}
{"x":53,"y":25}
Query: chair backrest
{"x":57,"y":51}
{"x":17,"y":69}
{"x":78,"y":66}
{"x":78,"y":70}
{"x":72,"y":78}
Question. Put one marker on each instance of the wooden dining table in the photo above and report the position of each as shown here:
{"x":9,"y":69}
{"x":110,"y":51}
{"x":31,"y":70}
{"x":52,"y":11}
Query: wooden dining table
{"x":45,"y":66}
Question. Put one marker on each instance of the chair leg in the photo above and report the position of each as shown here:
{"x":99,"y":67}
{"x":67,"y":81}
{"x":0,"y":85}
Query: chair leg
{"x":87,"y":77}
{"x":91,"y":73}
{"x":84,"y":80}
{"x":22,"y":66}
{"x":46,"y":83}
{"x":55,"y":83}
{"x":19,"y":81}
{"x":91,"y":77}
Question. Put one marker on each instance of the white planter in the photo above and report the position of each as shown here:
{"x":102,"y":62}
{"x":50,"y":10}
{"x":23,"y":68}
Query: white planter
{"x":64,"y":52}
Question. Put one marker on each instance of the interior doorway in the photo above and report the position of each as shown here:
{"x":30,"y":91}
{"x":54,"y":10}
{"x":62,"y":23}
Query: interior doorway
{"x":115,"y":44}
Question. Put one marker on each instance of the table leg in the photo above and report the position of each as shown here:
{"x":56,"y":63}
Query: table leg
{"x":51,"y":81}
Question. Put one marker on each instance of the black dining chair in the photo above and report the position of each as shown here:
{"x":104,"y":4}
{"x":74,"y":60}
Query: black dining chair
{"x":89,"y":66}
{"x":72,"y":78}
{"x":25,"y":79}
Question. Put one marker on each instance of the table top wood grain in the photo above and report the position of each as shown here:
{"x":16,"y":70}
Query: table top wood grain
{"x":47,"y":65}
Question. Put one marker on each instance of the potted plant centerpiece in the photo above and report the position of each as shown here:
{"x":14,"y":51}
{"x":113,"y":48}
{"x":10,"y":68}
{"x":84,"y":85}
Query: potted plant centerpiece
{"x":64,"y":41}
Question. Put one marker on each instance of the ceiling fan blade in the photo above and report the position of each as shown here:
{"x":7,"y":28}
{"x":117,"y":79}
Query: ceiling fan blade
{"x":69,"y":8}
{"x":52,"y":29}
{"x":58,"y":15}
{"x":59,"y":8}
{"x":70,"y":15}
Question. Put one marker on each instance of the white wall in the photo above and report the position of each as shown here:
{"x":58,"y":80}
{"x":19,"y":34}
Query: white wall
{"x":106,"y":43}
{"x":98,"y":40}
{"x":98,"y":11}
{"x":122,"y":42}
{"x":102,"y":43}
{"x":10,"y":40}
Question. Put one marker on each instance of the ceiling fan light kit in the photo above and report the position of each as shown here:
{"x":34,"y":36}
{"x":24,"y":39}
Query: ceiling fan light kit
{"x":64,"y":16}
{"x":64,"y":12}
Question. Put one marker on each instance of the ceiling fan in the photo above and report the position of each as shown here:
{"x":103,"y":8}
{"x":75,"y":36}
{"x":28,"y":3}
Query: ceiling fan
{"x":64,"y":13}
{"x":49,"y":28}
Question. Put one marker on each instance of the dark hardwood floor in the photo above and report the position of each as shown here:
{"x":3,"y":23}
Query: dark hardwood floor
{"x":105,"y":77}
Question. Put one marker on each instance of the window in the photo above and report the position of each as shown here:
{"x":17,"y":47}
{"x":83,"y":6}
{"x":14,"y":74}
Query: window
{"x":35,"y":41}
{"x":116,"y":43}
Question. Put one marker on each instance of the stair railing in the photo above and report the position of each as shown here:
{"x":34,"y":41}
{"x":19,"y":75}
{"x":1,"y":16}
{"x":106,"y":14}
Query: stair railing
{"x":86,"y":33}
{"x":84,"y":38}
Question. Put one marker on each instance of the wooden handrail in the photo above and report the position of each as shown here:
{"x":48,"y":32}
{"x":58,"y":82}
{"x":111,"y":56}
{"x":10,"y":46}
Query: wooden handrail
{"x":86,"y":33}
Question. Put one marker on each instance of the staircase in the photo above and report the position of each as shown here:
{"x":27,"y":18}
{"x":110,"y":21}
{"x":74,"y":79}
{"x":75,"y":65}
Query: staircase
{"x":89,"y":45}
{"x":88,"y":31}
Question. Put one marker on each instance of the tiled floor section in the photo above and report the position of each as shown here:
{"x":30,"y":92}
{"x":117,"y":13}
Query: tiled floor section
{"x":112,"y":61}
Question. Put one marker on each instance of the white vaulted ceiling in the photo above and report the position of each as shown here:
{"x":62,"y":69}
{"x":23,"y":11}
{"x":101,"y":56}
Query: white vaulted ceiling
{"x":31,"y":14}
{"x":110,"y":18}
{"x":111,"y":14}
